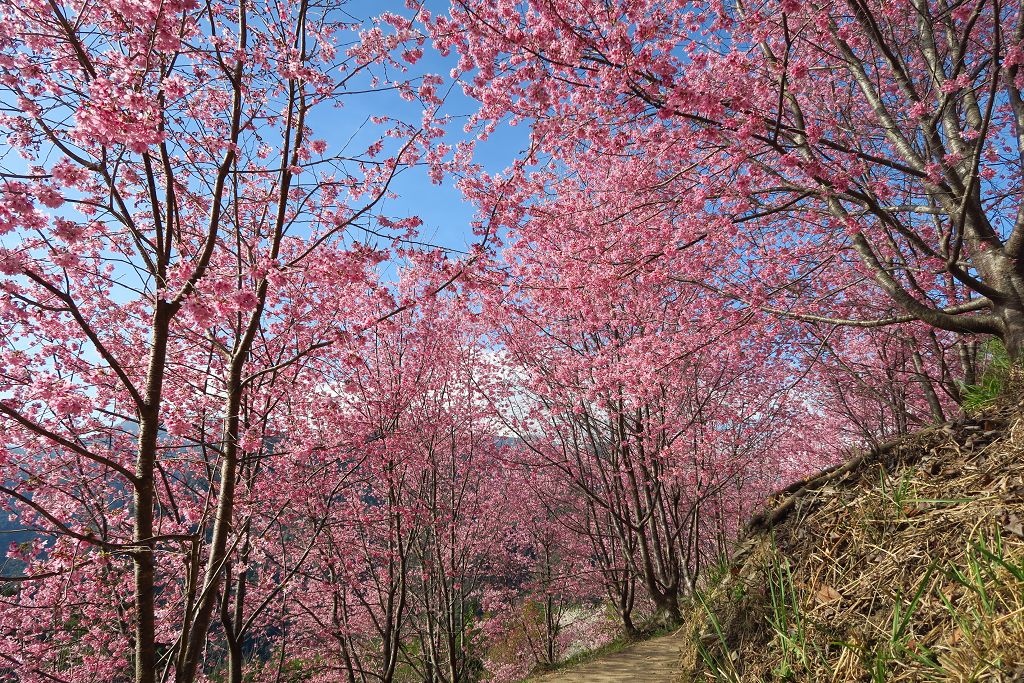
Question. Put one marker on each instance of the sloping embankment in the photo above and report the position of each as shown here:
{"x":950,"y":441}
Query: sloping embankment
{"x":906,"y":564}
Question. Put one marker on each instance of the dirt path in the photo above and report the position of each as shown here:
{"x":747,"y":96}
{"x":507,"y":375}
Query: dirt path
{"x":652,"y":661}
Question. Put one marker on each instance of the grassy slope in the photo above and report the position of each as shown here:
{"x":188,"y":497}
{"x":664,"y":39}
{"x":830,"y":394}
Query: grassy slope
{"x":906,"y":566}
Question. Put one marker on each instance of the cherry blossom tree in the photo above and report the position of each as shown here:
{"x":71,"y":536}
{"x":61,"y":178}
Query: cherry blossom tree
{"x":885,"y":382}
{"x":832,"y":144}
{"x":660,"y":407}
{"x":421,"y":528}
{"x":177,"y":248}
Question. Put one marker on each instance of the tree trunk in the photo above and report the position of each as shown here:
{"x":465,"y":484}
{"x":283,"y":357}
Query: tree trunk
{"x":142,"y":535}
{"x":666,"y":611}
{"x":626,"y":614}
{"x":551,"y":627}
{"x":145,"y":566}
{"x":196,"y":638}
{"x":929,"y":391}
{"x":1013,"y":333}
{"x":231,"y":619}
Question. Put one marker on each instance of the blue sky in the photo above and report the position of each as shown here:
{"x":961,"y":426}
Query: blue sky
{"x":446,"y":216}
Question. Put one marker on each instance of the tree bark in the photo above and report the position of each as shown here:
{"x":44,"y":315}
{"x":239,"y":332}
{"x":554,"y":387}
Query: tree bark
{"x":142,"y":535}
{"x":197,"y":633}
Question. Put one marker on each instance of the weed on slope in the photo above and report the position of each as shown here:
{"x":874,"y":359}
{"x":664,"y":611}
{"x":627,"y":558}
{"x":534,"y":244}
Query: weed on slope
{"x":906,"y":564}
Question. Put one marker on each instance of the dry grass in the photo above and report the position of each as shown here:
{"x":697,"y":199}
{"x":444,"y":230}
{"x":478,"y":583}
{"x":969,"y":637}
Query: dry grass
{"x":907,"y":567}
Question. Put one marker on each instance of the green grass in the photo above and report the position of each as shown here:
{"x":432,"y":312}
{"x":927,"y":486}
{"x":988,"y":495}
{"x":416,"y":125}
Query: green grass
{"x":975,"y":398}
{"x":719,"y":661}
{"x":787,"y":620}
{"x":899,"y":492}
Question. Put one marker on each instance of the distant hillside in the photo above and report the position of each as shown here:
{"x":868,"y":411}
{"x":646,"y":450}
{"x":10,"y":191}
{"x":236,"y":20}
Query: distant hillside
{"x":11,"y":532}
{"x":906,"y":564}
